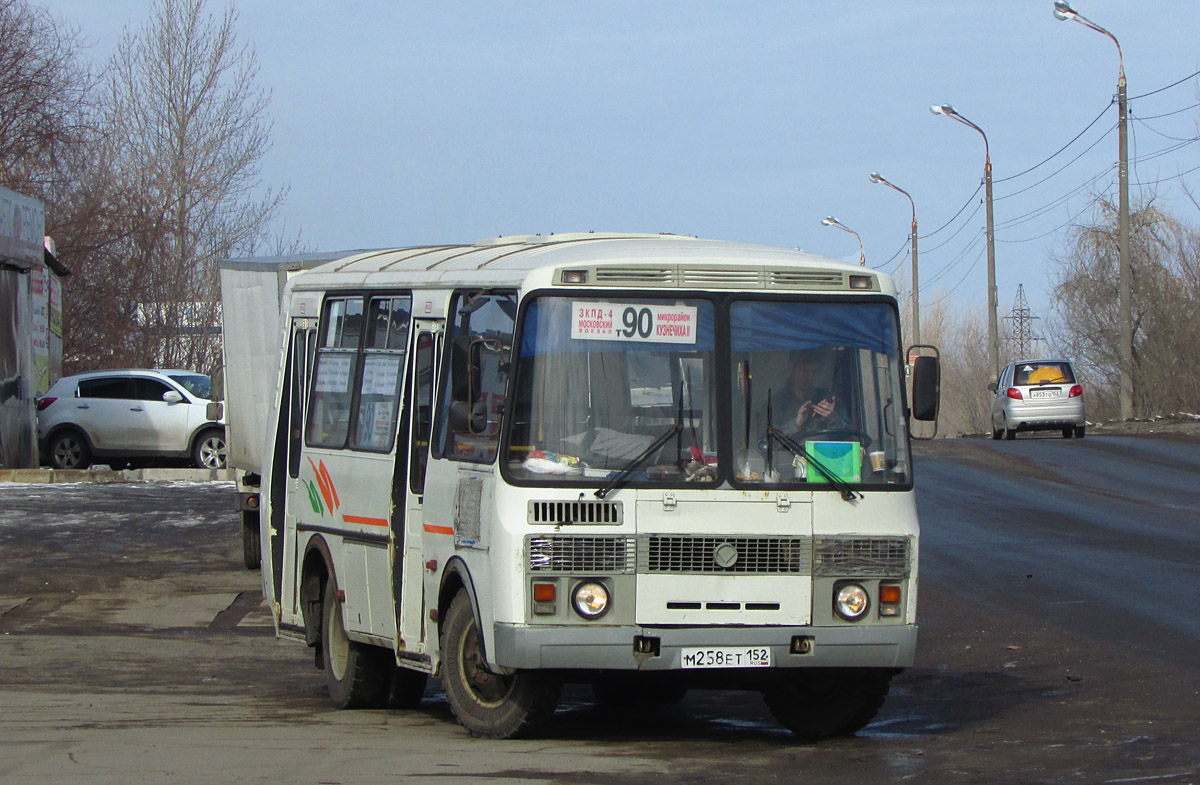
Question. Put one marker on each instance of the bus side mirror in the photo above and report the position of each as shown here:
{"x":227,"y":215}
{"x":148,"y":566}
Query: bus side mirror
{"x":927,"y":387}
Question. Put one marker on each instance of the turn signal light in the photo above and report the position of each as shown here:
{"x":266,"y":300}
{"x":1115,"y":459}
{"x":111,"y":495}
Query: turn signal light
{"x":1015,"y":394}
{"x":543,"y":599}
{"x":1076,"y":391}
{"x":42,"y":403}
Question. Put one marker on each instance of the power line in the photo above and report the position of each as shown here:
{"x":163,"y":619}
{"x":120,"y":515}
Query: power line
{"x":943,"y":226}
{"x":1168,"y":87}
{"x":1061,"y":149}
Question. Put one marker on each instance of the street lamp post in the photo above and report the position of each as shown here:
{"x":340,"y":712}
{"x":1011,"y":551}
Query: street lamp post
{"x":993,"y":332}
{"x":1064,"y":12}
{"x":831,"y":221}
{"x":876,"y":177}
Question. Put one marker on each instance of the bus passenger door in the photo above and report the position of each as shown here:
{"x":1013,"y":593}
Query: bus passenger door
{"x":286,"y":464}
{"x":407,"y":522}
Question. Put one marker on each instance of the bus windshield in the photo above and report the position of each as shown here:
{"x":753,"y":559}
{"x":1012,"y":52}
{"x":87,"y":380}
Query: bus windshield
{"x":630,"y":387}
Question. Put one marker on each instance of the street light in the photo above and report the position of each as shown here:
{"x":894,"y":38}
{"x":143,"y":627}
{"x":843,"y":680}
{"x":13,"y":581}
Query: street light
{"x":993,"y":333}
{"x":876,"y":177}
{"x":831,"y":221}
{"x":1064,"y":12}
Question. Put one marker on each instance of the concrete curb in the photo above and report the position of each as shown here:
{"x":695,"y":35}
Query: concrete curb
{"x":49,"y":476}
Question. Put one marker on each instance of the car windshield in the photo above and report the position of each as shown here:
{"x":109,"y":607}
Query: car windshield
{"x":628,"y":389}
{"x":197,"y":384}
{"x":1033,"y":373}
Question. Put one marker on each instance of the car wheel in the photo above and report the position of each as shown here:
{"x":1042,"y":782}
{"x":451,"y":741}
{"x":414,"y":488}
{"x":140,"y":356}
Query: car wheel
{"x":1068,"y":432}
{"x":996,"y":432}
{"x":69,"y":450}
{"x":1010,"y":433}
{"x":1080,"y":430}
{"x":209,"y":450}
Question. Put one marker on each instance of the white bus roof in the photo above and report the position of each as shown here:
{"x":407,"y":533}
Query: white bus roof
{"x":621,"y":259}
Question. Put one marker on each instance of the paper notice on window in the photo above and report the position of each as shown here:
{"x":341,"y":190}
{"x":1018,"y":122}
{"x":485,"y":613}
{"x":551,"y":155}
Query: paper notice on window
{"x":333,"y":372}
{"x":593,"y":321}
{"x":380,"y":374}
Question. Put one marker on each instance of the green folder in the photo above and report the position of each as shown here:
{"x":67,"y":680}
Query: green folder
{"x":843,"y":459}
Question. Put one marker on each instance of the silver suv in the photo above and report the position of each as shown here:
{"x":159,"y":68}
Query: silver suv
{"x":124,"y":417}
{"x":1037,"y":395}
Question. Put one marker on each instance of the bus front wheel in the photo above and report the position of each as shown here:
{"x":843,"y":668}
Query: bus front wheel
{"x":489,"y":705}
{"x":820,"y":703}
{"x":357,"y":674}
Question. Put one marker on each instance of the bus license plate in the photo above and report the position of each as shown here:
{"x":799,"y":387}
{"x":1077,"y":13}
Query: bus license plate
{"x":727,"y":657}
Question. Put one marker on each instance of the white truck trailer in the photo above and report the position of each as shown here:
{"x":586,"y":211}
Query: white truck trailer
{"x":251,"y":291}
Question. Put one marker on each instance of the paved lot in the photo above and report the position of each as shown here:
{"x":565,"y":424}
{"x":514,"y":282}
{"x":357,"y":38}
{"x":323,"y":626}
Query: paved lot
{"x":135,"y":648}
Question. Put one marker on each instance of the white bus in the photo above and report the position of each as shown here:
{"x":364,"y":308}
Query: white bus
{"x":644,"y":462}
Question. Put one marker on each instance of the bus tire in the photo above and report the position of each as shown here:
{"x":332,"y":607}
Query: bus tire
{"x":406,"y":688}
{"x":487,"y":704}
{"x":356,"y":673}
{"x":821,"y":703}
{"x":251,"y":545}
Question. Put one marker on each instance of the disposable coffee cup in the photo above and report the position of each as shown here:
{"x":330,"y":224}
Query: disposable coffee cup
{"x":877,"y":461}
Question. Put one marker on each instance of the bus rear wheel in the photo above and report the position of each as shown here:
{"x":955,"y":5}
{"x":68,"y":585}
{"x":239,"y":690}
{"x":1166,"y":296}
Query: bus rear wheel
{"x":489,"y":705}
{"x":357,"y":674}
{"x":821,"y":703}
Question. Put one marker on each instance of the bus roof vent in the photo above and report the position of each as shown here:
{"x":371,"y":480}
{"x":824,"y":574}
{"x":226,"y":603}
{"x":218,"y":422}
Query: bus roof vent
{"x":636,"y":276}
{"x":740,"y":277}
{"x":589,"y":511}
{"x":806,"y":279}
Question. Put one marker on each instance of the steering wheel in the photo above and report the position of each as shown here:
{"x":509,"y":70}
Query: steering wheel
{"x":834,"y":434}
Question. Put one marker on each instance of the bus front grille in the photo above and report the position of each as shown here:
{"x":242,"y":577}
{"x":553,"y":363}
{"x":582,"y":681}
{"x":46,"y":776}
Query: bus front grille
{"x":683,"y":555}
{"x":580,"y":554}
{"x":861,"y":557}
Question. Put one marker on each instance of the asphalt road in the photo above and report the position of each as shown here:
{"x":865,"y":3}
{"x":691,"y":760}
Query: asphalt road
{"x":1059,"y":643}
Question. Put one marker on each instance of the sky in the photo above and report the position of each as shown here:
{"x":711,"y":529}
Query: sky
{"x":406,"y":123}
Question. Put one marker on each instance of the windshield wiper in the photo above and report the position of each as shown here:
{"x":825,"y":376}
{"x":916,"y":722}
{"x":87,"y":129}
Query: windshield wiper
{"x":622,"y":476}
{"x":774,"y":434}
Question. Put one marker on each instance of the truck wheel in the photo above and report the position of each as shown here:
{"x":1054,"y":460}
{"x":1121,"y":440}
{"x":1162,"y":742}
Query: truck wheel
{"x":489,"y":705}
{"x":209,"y":450}
{"x":356,"y":673}
{"x":69,"y":450}
{"x":251,"y":545}
{"x":818,"y":704}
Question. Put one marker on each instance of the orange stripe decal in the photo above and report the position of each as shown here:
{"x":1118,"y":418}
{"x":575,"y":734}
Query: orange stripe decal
{"x":325,"y":473}
{"x":321,"y":484}
{"x":367,"y":521}
{"x":429,"y":527}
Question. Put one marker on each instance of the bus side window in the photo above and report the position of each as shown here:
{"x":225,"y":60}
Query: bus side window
{"x":334,"y":374}
{"x":479,"y":356}
{"x":423,"y":411}
{"x":383,"y":359}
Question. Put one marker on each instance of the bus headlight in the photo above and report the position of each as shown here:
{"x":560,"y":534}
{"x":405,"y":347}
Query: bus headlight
{"x":590,"y":599}
{"x":850,"y":601}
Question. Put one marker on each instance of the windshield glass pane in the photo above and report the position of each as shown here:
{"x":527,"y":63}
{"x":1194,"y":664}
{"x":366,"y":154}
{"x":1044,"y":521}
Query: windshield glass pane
{"x":197,"y":384}
{"x":605,"y":384}
{"x":816,"y":390}
{"x":1037,"y":372}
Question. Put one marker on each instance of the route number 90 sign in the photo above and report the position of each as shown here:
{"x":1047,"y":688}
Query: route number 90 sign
{"x":593,"y":321}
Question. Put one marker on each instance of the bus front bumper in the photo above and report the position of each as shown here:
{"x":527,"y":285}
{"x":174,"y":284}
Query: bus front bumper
{"x":617,"y":647}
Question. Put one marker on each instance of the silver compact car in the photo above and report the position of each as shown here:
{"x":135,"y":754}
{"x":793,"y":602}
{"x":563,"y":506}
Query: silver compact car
{"x":1037,"y":395}
{"x":125,"y":417}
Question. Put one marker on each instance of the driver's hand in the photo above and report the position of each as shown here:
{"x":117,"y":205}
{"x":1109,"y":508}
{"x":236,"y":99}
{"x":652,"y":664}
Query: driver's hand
{"x":825,"y":408}
{"x":806,"y":411}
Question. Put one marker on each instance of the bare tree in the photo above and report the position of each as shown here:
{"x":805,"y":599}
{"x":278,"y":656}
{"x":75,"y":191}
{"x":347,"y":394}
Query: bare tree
{"x":1166,"y":310}
{"x":188,"y":130}
{"x":44,"y":87}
